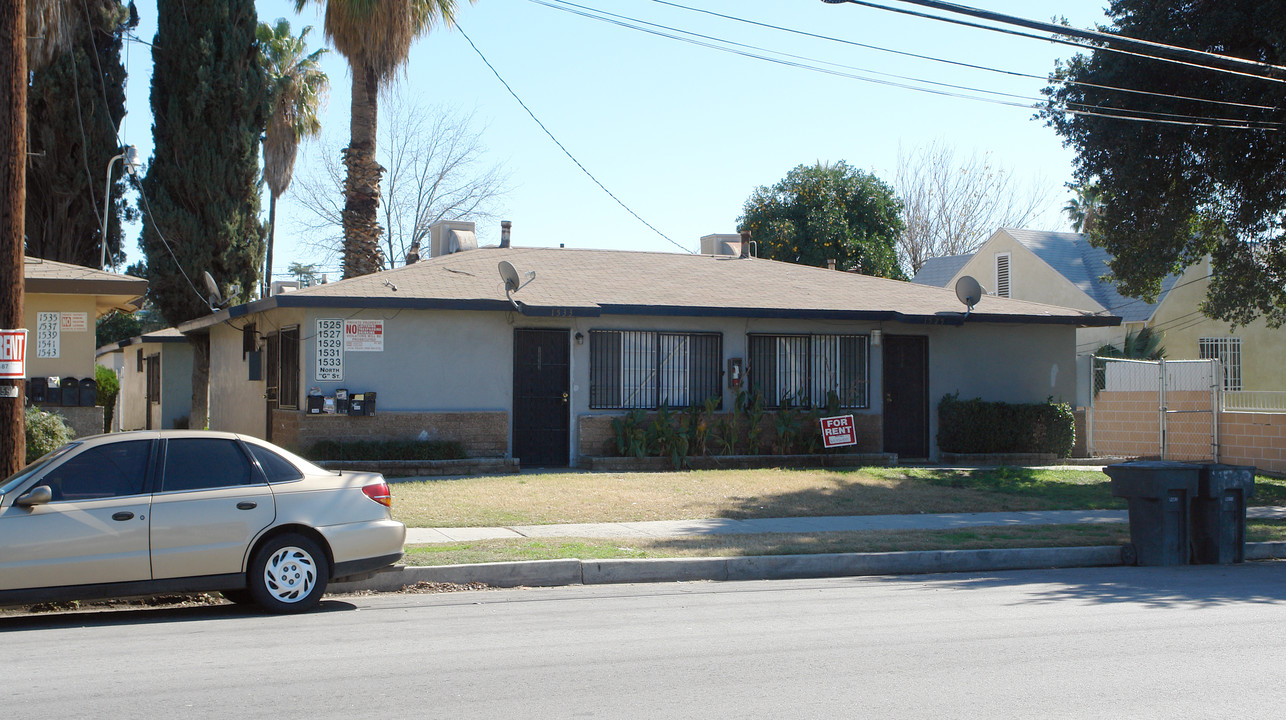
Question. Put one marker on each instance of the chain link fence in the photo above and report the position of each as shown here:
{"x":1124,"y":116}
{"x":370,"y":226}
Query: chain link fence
{"x":1156,"y":409}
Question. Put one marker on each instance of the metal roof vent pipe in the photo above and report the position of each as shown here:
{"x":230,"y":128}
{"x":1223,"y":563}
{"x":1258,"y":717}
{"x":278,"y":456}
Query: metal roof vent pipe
{"x":745,"y":243}
{"x":505,"y":228}
{"x":830,"y":263}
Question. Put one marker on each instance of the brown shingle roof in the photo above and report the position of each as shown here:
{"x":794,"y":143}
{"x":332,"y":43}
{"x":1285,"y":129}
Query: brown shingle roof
{"x":50,"y":276}
{"x":608,"y":282}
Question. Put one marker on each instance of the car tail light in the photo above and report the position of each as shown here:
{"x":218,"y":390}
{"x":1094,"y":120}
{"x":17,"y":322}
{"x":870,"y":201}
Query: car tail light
{"x":379,"y":492}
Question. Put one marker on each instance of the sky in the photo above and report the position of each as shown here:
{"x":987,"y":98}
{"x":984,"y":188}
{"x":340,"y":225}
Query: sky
{"x":683,"y":134}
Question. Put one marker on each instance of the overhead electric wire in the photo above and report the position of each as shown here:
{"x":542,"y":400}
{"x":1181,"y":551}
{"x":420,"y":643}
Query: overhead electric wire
{"x":561,"y":146}
{"x":710,"y":43}
{"x":1059,"y":40}
{"x":1012,"y":73}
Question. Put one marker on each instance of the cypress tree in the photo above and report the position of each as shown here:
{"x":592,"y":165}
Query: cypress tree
{"x":74,"y":108}
{"x":201,"y":197}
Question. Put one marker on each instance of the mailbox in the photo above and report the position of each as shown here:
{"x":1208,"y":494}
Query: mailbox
{"x":36,"y":388}
{"x":70,"y":396}
{"x":88,"y":392}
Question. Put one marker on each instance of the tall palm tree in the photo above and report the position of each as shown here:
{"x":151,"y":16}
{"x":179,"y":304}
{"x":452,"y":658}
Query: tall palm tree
{"x":375,"y":37}
{"x":296,"y":85}
{"x":1083,"y":210}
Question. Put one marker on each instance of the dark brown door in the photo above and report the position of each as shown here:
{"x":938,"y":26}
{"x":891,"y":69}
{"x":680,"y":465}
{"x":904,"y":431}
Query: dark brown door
{"x":541,"y":411}
{"x":906,"y":396}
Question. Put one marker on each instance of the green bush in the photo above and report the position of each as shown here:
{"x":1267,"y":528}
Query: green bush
{"x":108,"y":388}
{"x":976,"y":426}
{"x":387,"y":450}
{"x":46,"y":432}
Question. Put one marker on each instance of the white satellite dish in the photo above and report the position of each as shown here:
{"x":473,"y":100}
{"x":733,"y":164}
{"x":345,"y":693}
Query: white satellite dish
{"x":214,"y":297}
{"x":513,"y":281}
{"x":968,"y":291}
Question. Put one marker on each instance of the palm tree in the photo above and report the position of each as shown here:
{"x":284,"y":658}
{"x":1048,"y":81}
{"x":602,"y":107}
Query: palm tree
{"x":375,"y":37}
{"x":1083,"y":210}
{"x":296,"y":85}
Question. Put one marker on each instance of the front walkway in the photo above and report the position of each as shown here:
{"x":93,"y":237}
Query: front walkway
{"x":799,"y":525}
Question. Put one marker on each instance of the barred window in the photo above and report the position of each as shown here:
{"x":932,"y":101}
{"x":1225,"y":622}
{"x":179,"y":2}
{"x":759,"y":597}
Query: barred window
{"x":644,"y":368}
{"x":1227,"y":350}
{"x":802,"y":370}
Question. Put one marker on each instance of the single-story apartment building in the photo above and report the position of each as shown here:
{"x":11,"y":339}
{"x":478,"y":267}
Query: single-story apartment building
{"x":155,"y":374}
{"x":62,"y":304}
{"x":442,"y":349}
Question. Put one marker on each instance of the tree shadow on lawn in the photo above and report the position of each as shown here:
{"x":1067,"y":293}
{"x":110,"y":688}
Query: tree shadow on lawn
{"x":1153,"y":587}
{"x":911,"y":491}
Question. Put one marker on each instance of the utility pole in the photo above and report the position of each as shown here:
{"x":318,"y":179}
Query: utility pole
{"x":13,"y":189}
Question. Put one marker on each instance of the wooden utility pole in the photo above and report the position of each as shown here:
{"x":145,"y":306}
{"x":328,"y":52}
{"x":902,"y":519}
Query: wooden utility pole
{"x":13,"y":189}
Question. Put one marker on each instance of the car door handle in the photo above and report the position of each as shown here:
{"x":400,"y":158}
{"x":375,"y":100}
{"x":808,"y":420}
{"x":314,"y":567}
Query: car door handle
{"x":247,"y":505}
{"x":123,"y":516}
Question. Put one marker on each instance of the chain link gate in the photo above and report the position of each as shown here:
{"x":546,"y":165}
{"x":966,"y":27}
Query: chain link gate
{"x":1156,"y":409}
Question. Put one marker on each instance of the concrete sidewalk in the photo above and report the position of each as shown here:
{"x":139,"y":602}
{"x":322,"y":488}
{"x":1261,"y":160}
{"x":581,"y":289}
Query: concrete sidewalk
{"x":775,"y":567}
{"x":798,"y":525}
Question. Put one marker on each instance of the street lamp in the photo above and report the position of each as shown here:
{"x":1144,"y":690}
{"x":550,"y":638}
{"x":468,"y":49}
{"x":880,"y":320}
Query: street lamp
{"x":131,"y":161}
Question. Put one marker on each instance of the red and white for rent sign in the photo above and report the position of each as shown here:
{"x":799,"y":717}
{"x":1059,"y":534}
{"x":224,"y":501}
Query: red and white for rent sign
{"x":13,"y":353}
{"x":838,"y":431}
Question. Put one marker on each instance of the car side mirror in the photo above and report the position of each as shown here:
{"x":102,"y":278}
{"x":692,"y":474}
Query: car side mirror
{"x":38,"y":495}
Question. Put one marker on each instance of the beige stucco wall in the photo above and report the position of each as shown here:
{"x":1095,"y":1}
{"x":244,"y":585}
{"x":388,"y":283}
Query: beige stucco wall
{"x":1030,"y":278}
{"x":237,"y":403}
{"x":175,"y":405}
{"x":76,"y":349}
{"x":1262,"y":348}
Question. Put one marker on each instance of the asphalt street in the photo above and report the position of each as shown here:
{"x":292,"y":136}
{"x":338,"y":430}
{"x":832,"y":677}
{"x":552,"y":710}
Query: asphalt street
{"x":1191,"y":641}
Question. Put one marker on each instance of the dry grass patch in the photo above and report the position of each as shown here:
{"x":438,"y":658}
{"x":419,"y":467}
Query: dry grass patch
{"x":539,"y":499}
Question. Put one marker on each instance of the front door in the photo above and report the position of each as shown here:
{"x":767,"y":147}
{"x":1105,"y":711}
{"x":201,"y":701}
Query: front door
{"x":541,"y":409}
{"x":906,"y":396}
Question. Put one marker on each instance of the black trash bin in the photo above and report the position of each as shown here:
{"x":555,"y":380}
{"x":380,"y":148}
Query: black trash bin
{"x":1159,"y":493}
{"x":1219,"y":513}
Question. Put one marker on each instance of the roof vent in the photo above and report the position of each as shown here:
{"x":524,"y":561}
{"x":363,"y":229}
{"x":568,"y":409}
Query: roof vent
{"x":725,"y":244}
{"x":451,"y":236}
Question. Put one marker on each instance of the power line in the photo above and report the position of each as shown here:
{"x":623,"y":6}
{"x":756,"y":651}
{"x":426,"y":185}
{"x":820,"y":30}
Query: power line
{"x":561,"y":146}
{"x":713,"y":44}
{"x":1070,"y":31}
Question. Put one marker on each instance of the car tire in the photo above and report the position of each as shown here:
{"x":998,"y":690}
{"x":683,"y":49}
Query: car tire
{"x":288,"y":574}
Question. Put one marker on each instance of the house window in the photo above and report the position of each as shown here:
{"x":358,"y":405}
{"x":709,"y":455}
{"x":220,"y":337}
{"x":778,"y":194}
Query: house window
{"x":1002,"y":274}
{"x":803,"y":370}
{"x":644,"y":368}
{"x":153,"y":363}
{"x":1227,"y":350}
{"x":288,"y":388}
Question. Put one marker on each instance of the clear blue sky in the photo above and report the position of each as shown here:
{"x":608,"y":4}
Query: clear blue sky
{"x":683,"y":134}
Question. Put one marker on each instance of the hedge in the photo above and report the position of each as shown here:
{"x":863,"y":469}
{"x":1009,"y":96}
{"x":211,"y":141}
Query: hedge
{"x":387,"y":450}
{"x":977,"y":426}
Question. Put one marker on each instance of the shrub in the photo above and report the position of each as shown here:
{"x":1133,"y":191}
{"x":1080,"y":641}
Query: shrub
{"x":976,"y":426}
{"x":46,"y":432}
{"x":372,"y":450}
{"x":108,"y":388}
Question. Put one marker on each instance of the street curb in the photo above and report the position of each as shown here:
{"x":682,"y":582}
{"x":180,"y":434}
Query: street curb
{"x":546,"y":573}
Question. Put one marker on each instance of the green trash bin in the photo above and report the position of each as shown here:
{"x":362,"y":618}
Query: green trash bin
{"x":1159,"y":495}
{"x":1219,"y":513}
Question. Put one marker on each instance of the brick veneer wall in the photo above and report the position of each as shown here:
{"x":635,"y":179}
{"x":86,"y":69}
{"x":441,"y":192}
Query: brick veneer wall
{"x":596,"y":438}
{"x":483,"y":434}
{"x":1257,"y":439}
{"x":1127,"y":424}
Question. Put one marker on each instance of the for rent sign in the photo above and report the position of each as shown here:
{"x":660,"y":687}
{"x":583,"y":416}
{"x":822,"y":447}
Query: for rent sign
{"x":13,"y":354}
{"x":838,"y":431}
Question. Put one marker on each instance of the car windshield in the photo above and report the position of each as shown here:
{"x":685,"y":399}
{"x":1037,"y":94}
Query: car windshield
{"x":17,"y":478}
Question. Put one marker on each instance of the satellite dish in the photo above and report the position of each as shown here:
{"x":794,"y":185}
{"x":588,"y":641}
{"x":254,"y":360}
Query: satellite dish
{"x":969,"y":291}
{"x":214,"y":297}
{"x":509,"y":274}
{"x":513,"y":281}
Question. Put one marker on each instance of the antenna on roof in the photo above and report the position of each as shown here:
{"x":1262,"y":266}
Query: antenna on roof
{"x":969,"y":292}
{"x":513,"y":282}
{"x":214,"y":298}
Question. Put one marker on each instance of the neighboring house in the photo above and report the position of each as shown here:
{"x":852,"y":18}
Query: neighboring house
{"x":1064,"y":269}
{"x":155,"y":373}
{"x":437,"y":350}
{"x":62,"y":304}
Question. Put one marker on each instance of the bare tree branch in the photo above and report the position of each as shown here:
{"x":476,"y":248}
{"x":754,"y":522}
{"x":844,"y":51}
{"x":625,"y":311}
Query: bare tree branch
{"x":951,"y":206}
{"x":435,"y":169}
